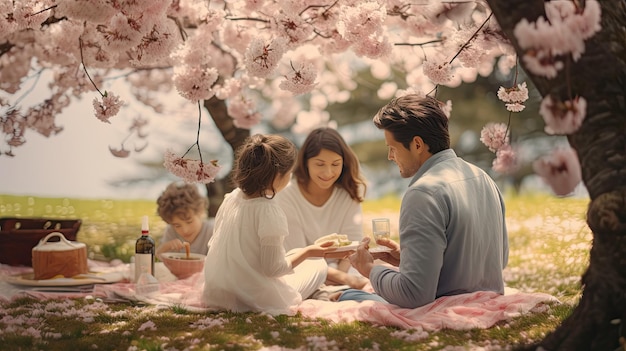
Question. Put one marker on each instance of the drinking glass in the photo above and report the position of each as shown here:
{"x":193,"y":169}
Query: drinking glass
{"x":381,"y":228}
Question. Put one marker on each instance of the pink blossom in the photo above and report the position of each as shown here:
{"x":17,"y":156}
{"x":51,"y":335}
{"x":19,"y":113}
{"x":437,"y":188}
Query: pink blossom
{"x":588,"y":23}
{"x":361,"y":21}
{"x":563,"y":117}
{"x":243,"y":112}
{"x":237,"y":37}
{"x":336,"y":43}
{"x":261,"y":58}
{"x":506,"y":161}
{"x":192,"y":171}
{"x":293,"y":27}
{"x":516,"y":94}
{"x":108,"y":108}
{"x":248,"y":121}
{"x":439,"y":73}
{"x":149,"y":325}
{"x":514,"y":97}
{"x":373,"y":47}
{"x":301,"y":80}
{"x":230,"y":88}
{"x":195,"y":83}
{"x":563,"y":32}
{"x":516,"y":107}
{"x":560,"y":170}
{"x":91,"y":11}
{"x":494,"y":136}
{"x":541,"y":63}
{"x":120,"y":33}
{"x":240,"y":107}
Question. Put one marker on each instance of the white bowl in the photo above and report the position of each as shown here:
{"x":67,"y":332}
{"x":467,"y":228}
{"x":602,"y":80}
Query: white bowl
{"x":180,"y":266}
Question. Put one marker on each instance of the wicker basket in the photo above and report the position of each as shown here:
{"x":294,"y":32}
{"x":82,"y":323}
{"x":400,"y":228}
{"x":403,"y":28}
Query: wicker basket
{"x":18,"y":236}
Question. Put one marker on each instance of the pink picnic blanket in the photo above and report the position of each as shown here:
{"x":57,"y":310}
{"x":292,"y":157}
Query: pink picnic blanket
{"x":461,"y":312}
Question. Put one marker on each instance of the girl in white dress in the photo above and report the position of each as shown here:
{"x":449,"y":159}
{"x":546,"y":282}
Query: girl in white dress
{"x":246,"y":268}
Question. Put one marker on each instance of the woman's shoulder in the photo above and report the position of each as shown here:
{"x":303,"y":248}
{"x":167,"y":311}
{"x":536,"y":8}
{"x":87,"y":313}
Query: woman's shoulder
{"x":290,"y":194}
{"x":341,"y":194}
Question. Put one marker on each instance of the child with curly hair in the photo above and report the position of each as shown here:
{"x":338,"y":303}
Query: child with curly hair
{"x":184,"y":210}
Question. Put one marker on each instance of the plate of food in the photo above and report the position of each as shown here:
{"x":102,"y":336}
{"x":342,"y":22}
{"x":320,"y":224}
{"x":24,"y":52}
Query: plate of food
{"x":340,"y":242}
{"x":27,"y":279}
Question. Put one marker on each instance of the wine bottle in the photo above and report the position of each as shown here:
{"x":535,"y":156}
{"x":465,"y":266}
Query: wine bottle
{"x":144,"y":251}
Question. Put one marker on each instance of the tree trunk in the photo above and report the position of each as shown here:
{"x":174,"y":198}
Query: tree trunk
{"x":599,"y":76}
{"x":234,"y":137}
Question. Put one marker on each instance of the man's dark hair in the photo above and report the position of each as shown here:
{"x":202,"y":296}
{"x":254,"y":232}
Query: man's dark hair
{"x":413,"y":115}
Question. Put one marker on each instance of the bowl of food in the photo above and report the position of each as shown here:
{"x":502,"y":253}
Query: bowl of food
{"x":183,"y":265}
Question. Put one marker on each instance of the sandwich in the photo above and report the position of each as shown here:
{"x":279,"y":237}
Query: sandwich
{"x":338,"y":240}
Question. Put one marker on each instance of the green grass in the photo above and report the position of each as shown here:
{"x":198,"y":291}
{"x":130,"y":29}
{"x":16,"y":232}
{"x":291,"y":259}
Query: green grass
{"x":109,"y":227}
{"x":549,"y":250}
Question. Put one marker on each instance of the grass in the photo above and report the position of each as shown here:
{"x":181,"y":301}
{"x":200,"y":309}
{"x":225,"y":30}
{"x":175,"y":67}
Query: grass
{"x":549,"y":250}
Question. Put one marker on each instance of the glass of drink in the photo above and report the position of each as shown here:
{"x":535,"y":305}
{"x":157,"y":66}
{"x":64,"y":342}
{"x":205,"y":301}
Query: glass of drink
{"x":381,"y":228}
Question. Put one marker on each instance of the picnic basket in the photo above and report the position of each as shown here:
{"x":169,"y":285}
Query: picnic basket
{"x":18,"y":236}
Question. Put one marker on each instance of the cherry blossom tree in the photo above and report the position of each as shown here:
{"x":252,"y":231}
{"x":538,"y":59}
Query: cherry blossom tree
{"x":285,"y":61}
{"x":583,"y":85}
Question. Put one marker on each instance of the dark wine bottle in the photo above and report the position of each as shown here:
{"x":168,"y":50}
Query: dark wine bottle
{"x":144,"y":251}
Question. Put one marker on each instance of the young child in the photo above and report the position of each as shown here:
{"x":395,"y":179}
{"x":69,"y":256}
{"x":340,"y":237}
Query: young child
{"x":184,"y":210}
{"x":246,"y":268}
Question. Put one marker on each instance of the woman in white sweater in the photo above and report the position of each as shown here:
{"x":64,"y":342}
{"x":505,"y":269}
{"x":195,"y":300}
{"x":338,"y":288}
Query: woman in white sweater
{"x":325,"y":197}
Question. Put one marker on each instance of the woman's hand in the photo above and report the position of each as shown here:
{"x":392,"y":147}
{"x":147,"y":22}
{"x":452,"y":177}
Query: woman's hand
{"x":326,"y":250}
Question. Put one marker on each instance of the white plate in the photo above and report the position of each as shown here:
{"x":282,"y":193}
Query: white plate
{"x":351,"y":247}
{"x":379,"y":249}
{"x":86,"y":279}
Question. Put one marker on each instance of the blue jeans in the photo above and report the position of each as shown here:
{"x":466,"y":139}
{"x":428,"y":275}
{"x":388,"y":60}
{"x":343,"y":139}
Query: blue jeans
{"x":359,"y":295}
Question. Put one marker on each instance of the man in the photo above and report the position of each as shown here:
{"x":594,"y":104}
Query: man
{"x":453,"y":236}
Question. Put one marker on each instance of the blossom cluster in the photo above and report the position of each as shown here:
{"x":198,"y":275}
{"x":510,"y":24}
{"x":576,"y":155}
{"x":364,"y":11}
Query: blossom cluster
{"x":549,"y":40}
{"x":514,"y":97}
{"x":547,"y":43}
{"x":243,"y":51}
{"x":108,"y":108}
{"x":560,"y":169}
{"x":190,"y":170}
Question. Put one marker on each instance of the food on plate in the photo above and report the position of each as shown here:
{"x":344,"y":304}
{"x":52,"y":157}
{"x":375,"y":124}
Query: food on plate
{"x":338,"y":240}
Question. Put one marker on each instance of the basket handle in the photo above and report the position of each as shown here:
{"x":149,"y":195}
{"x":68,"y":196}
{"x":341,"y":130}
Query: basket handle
{"x":61,"y":237}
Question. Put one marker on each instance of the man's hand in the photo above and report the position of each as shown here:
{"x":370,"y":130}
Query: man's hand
{"x":392,"y":257}
{"x":362,"y":260}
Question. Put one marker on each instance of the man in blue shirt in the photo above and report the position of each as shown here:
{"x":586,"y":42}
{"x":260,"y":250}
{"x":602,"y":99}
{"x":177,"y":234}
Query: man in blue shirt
{"x":453,"y":236}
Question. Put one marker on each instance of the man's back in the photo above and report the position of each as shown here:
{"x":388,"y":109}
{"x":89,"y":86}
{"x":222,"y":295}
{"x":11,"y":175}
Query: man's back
{"x":475,"y":228}
{"x":452,"y":235}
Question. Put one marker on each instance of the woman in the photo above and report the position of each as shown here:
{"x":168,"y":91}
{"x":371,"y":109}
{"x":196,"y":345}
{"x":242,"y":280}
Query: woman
{"x":324,"y":198}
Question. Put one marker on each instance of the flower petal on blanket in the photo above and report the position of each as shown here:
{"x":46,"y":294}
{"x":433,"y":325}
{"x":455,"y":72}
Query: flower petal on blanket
{"x":461,"y":312}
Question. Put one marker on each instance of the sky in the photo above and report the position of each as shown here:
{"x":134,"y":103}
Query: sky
{"x":74,"y":163}
{"x":77,"y":163}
